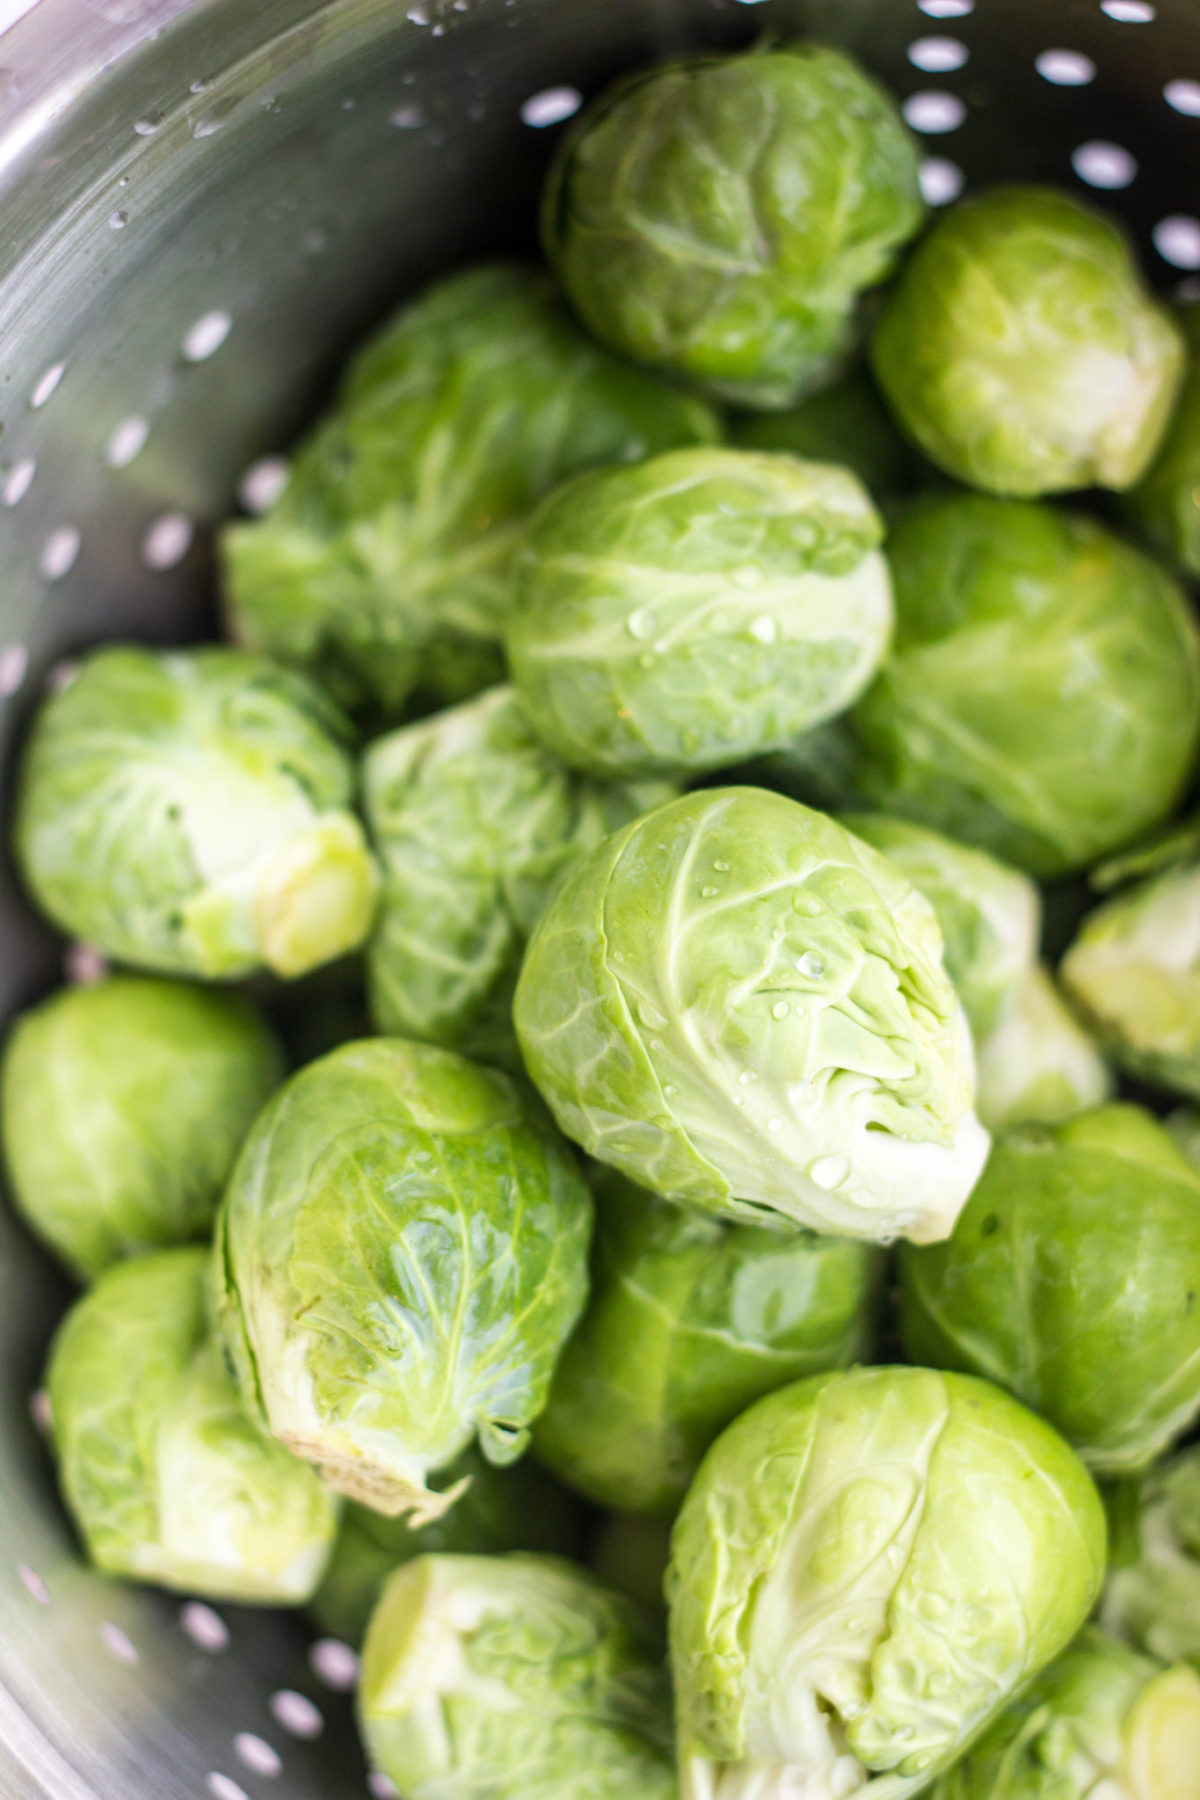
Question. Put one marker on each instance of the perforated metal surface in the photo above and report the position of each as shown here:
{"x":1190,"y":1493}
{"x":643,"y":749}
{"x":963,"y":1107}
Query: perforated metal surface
{"x":202,"y":202}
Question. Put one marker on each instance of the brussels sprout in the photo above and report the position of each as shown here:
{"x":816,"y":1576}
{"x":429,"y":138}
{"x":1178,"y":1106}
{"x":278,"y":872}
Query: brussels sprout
{"x":846,"y":424}
{"x":400,"y":1256}
{"x":1038,"y":1066}
{"x":1043,"y":697}
{"x":719,"y":217}
{"x":631,"y":1553}
{"x":989,"y":915}
{"x":1134,"y":973}
{"x":1071,"y":1279}
{"x":1102,"y":1723}
{"x":514,"y":1678}
{"x":475,"y":823}
{"x":689,"y":1321}
{"x":187,"y":812}
{"x":389,"y":553}
{"x":1153,"y":1593}
{"x":1022,"y":352}
{"x":687,"y":613}
{"x":497,"y":1510}
{"x":867,"y":1567}
{"x":166,"y":1477}
{"x":123,"y":1106}
{"x":1166,"y":502}
{"x":743,"y":1007}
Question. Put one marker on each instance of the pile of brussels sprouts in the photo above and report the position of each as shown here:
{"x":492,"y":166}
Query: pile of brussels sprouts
{"x":664,"y":722}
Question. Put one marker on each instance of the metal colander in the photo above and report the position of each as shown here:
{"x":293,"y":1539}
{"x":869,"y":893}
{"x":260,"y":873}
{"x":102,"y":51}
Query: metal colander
{"x":202,"y":204}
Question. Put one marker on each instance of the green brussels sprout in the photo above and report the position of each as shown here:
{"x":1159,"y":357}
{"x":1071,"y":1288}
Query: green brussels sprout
{"x":868,"y":1566}
{"x":514,"y":1678}
{"x":1166,"y":502}
{"x":1134,"y":973}
{"x":1071,"y":1279}
{"x":630,"y":1553}
{"x":388,"y":557}
{"x":475,"y":823}
{"x":989,"y":914}
{"x":696,"y":609}
{"x":1022,"y":351}
{"x":1038,"y":1066}
{"x":400,"y":1255}
{"x":689,"y":1321}
{"x":719,"y":217}
{"x":1152,"y":1597}
{"x":188,"y":812}
{"x":165,"y":1476}
{"x":123,"y":1106}
{"x":743,"y":1008}
{"x":1043,"y":696}
{"x":498,"y":1509}
{"x":846,"y":424}
{"x":1101,"y":1723}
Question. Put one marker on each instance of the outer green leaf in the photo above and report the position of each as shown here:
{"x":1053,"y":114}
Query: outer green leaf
{"x":1038,"y":1067}
{"x":400,"y":1255}
{"x":692,"y":611}
{"x":520,"y":1508}
{"x":166,"y":1477}
{"x":475,"y":824}
{"x":1153,"y":1594}
{"x":743,"y":1007}
{"x":123,"y":1107}
{"x":390,"y":550}
{"x":514,"y":1678}
{"x":1071,"y":1279}
{"x":1166,"y":502}
{"x":1134,"y":973}
{"x":718,"y":218}
{"x":1102,"y":1721}
{"x":989,"y":914}
{"x":689,"y":1321}
{"x":1043,"y":698}
{"x":188,"y":811}
{"x":1021,"y":350}
{"x":867,"y":1567}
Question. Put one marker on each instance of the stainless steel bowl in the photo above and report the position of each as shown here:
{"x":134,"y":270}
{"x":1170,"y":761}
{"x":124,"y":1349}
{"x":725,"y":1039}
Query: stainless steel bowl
{"x":202,"y":204}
